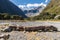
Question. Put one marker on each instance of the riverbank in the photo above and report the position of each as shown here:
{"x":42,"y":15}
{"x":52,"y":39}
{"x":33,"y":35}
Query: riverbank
{"x":30,"y":20}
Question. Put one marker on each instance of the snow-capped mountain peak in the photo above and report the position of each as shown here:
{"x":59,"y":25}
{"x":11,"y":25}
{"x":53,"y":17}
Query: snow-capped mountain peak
{"x":32,"y":9}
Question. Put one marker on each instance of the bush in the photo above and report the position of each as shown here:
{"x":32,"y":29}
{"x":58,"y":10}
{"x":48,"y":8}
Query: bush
{"x":6,"y":16}
{"x":43,"y":16}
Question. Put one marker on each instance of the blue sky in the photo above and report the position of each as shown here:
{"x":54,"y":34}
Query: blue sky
{"x":24,"y":2}
{"x":29,"y":3}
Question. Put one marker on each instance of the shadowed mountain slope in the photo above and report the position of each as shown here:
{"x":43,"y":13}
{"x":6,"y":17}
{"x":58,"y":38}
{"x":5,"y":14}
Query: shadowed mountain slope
{"x":8,"y":7}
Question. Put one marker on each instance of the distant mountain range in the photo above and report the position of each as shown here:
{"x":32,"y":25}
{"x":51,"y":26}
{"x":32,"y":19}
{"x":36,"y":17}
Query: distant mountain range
{"x":8,"y":7}
{"x":34,"y":11}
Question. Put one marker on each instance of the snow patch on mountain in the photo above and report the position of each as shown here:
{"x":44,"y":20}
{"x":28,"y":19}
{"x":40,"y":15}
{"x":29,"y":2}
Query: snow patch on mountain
{"x":35,"y":11}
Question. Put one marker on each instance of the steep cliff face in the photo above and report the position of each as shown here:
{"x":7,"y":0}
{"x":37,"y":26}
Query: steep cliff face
{"x":8,"y":7}
{"x":53,"y":7}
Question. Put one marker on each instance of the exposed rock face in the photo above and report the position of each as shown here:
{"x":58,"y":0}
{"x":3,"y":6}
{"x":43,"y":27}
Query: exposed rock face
{"x":8,"y":7}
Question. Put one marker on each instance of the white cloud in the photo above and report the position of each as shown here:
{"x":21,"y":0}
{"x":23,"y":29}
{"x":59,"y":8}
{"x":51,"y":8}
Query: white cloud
{"x":35,"y":5}
{"x":31,"y":5}
{"x":21,"y":6}
{"x":46,"y":1}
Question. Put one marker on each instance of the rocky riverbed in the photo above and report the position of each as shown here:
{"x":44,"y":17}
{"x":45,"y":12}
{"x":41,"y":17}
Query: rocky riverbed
{"x":33,"y":23}
{"x":35,"y":36}
{"x":22,"y":35}
{"x":15,"y":35}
